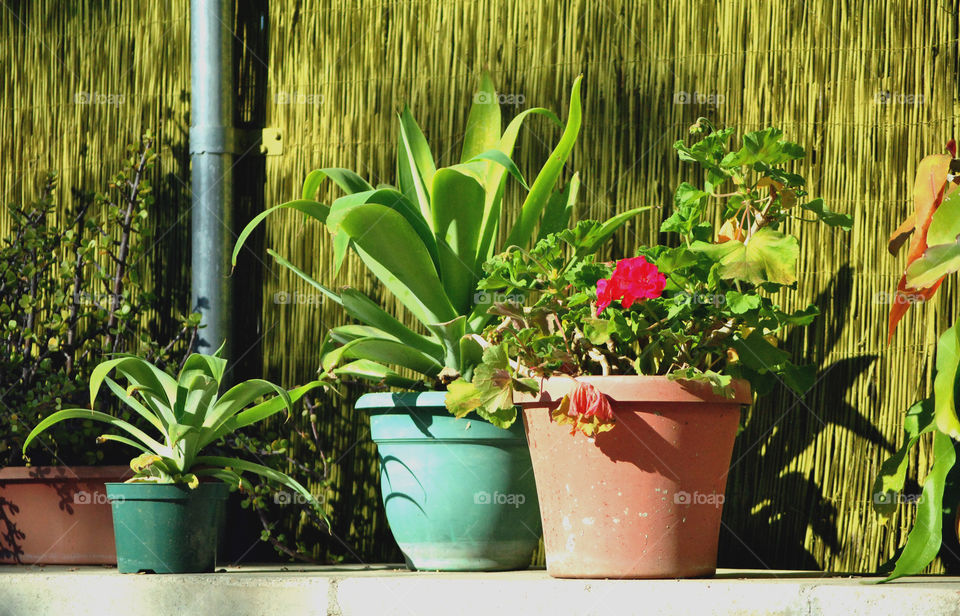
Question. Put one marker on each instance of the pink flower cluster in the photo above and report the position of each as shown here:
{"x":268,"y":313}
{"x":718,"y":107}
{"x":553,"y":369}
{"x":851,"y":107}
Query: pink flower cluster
{"x":632,"y":280}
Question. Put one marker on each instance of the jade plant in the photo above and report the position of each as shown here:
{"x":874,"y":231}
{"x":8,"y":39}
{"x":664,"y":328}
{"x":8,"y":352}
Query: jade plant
{"x":705,"y":309}
{"x":426,"y":240}
{"x":186,"y":414}
{"x":72,"y":291}
{"x":934,"y":253}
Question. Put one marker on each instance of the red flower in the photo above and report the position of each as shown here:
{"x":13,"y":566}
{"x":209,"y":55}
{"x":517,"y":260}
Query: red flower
{"x":632,"y":280}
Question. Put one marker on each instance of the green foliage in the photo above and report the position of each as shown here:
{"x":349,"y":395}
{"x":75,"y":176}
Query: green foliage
{"x":72,"y":292}
{"x":942,"y":257}
{"x":186,"y":413}
{"x":272,"y":444}
{"x":490,"y":389}
{"x":938,"y":415}
{"x":426,"y":240}
{"x":715,"y":320}
{"x":768,"y":256}
{"x":933,"y":255}
{"x":923,"y":543}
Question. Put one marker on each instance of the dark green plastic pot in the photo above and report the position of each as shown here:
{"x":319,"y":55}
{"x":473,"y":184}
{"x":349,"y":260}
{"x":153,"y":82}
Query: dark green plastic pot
{"x":167,"y":528}
{"x":459,"y":493}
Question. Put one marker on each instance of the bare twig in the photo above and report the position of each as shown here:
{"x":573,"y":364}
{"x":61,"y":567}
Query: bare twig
{"x":112,"y":340}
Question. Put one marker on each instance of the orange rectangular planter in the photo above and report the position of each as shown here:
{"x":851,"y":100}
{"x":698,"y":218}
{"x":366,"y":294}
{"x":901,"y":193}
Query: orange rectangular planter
{"x":57,"y":515}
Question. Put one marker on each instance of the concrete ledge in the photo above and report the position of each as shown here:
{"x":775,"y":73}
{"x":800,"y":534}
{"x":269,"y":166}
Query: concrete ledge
{"x":385,"y":590}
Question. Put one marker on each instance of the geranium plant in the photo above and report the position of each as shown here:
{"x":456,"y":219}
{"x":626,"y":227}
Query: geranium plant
{"x":934,"y":252}
{"x":704,"y":309}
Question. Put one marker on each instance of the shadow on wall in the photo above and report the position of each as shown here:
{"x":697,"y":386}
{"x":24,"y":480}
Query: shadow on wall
{"x":251,"y":53}
{"x":771,"y":504}
{"x":170,"y":258}
{"x":360,"y":530}
{"x":10,"y":535}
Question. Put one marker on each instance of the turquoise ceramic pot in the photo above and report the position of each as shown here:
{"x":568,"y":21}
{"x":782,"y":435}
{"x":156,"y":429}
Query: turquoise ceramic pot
{"x":459,"y":493}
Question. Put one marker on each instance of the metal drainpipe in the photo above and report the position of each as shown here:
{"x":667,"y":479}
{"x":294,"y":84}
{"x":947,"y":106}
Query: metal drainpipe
{"x":212,"y":148}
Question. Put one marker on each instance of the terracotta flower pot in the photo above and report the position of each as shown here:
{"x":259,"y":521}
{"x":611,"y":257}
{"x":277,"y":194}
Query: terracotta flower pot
{"x":643,"y":500}
{"x":57,"y":514}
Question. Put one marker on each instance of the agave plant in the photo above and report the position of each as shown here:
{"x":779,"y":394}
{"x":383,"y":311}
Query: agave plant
{"x":426,"y":240}
{"x":188,"y":414}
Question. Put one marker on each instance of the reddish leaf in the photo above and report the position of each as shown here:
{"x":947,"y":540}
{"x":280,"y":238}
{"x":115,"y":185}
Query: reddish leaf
{"x":904,"y":298}
{"x":928,"y":192}
{"x":898,"y":237}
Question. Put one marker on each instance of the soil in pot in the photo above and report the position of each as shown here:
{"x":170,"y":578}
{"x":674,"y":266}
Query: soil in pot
{"x":57,"y":515}
{"x":459,"y":494}
{"x":167,"y":528}
{"x":643,"y":500}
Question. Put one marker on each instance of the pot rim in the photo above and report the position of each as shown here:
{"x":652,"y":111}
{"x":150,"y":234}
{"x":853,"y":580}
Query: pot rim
{"x":634,"y":388}
{"x":422,"y":417}
{"x":59,"y":474}
{"x":165,"y":491}
{"x":375,"y":401}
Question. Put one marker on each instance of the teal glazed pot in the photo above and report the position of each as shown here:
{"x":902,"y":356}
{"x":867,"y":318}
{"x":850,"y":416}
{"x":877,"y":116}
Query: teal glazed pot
{"x":459,"y":493}
{"x":167,"y":528}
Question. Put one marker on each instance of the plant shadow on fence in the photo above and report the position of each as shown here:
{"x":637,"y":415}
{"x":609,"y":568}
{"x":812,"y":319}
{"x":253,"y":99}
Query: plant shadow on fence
{"x":774,"y":504}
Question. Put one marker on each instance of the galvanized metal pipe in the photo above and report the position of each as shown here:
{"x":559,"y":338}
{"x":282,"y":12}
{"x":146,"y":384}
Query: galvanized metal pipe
{"x":212,"y":149}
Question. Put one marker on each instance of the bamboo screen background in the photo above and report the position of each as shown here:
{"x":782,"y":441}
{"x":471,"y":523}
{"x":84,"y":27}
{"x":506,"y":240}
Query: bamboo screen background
{"x":868,"y":87}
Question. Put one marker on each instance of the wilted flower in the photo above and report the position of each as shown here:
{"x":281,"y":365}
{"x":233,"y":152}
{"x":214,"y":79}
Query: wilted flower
{"x":586,"y":409}
{"x":589,"y":402}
